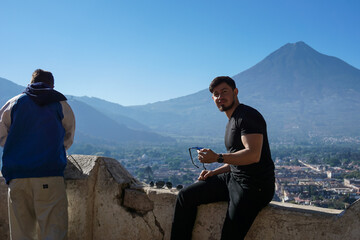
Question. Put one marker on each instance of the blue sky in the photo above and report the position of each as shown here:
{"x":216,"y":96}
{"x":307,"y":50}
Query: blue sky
{"x":136,"y":52}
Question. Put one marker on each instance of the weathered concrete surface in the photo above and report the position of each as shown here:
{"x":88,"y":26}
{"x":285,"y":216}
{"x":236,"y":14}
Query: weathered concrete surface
{"x":106,"y":202}
{"x":289,"y":221}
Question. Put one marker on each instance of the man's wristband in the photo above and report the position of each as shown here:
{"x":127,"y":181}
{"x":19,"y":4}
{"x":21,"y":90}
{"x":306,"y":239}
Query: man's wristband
{"x":220,"y":159}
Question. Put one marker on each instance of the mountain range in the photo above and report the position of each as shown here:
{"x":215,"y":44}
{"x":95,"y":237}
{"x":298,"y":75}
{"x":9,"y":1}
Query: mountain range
{"x":92,"y":126}
{"x":303,"y":94}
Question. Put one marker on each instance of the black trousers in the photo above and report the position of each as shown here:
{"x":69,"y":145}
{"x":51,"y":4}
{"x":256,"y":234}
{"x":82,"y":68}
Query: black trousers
{"x":245,"y":202}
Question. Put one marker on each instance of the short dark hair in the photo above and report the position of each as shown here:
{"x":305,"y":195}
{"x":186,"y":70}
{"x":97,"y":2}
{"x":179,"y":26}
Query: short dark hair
{"x":218,"y":80}
{"x":40,"y":75}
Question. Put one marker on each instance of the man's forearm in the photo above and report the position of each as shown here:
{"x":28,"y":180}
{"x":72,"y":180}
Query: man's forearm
{"x":249,"y":155}
{"x":222,"y":169}
{"x":241,"y":158}
{"x":68,"y":124}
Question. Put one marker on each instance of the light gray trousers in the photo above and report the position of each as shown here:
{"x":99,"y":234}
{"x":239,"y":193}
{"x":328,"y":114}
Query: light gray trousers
{"x":38,"y":208}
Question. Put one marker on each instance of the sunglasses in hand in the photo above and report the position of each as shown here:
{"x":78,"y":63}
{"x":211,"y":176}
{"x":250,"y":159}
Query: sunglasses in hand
{"x":192,"y":160}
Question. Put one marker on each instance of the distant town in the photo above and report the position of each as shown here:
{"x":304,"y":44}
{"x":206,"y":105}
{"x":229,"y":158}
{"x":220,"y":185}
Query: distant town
{"x":324,"y":175}
{"x":297,"y":181}
{"x":318,"y":185}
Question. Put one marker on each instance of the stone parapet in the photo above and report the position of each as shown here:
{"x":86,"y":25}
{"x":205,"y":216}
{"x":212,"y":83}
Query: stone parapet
{"x":106,"y":202}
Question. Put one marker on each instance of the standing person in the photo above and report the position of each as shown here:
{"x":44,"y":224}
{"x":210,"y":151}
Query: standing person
{"x":246,"y":180}
{"x":35,"y":129}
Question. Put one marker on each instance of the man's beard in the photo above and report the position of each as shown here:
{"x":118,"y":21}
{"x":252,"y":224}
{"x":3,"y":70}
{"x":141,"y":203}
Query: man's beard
{"x":222,"y":108}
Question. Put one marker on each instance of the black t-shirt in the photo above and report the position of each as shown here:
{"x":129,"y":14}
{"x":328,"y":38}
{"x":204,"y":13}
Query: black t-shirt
{"x":247,"y":120}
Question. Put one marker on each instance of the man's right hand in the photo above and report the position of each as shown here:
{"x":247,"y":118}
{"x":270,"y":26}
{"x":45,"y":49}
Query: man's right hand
{"x":205,"y":174}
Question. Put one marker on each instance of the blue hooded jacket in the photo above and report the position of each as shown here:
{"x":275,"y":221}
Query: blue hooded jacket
{"x":35,"y":143}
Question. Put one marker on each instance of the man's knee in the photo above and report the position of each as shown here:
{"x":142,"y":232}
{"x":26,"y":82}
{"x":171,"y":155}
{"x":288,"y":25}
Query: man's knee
{"x":187,"y":198}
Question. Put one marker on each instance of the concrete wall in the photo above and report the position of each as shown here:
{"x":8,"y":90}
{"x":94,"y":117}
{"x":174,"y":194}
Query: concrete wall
{"x":106,"y":202}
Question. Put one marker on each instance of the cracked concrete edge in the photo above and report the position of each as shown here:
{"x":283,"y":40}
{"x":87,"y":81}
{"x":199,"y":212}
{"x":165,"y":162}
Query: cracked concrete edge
{"x":147,"y":216}
{"x":158,"y":228}
{"x":79,"y":166}
{"x":118,"y":171}
{"x":137,"y":200}
{"x":158,"y":225}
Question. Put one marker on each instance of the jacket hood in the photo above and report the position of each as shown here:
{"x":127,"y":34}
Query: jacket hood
{"x":42,"y":94}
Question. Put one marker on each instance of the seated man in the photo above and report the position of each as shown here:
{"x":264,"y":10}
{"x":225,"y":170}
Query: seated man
{"x":246,"y":180}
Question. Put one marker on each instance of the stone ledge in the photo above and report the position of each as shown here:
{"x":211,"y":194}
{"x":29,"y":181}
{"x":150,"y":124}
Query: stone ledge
{"x":106,"y":202}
